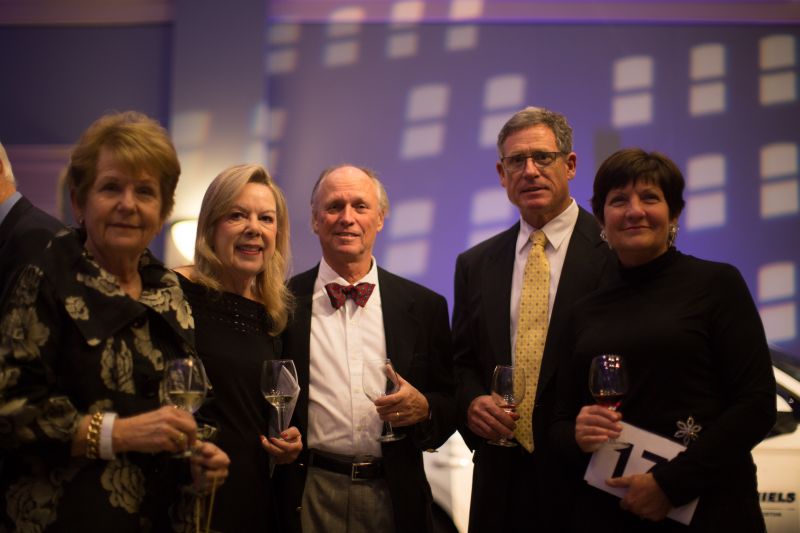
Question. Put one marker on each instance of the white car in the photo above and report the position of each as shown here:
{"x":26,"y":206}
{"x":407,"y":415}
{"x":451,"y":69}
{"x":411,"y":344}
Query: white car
{"x":777,"y":460}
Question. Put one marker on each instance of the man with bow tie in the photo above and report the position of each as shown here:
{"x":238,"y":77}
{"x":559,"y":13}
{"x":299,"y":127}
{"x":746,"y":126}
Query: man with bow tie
{"x":349,"y":311}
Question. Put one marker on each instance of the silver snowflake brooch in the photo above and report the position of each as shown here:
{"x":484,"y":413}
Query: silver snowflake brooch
{"x":687,"y":430}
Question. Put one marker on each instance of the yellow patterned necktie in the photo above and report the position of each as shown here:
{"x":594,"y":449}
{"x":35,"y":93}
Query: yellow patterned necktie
{"x":531,"y":332}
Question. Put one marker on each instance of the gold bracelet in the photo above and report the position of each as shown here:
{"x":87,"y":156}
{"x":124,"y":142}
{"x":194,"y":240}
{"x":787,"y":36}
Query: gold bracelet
{"x":93,"y":436}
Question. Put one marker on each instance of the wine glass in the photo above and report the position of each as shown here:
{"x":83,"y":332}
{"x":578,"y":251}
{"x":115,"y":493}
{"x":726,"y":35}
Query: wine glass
{"x":185,"y":386}
{"x":608,"y":383}
{"x":278,"y":385}
{"x":508,"y":389}
{"x":380,"y":379}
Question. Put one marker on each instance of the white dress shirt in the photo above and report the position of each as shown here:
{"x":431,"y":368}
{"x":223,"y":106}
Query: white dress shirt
{"x":558,"y":232}
{"x":341,"y":419}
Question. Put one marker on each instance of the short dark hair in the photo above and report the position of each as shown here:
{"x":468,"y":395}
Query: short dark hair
{"x":631,"y":165}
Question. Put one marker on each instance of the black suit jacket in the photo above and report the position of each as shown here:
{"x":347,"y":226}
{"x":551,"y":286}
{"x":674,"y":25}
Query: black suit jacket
{"x":24,"y":233}
{"x":418,"y":342}
{"x":481,"y":338}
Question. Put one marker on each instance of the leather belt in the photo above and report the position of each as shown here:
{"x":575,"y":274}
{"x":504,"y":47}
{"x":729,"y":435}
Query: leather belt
{"x":363,"y":467}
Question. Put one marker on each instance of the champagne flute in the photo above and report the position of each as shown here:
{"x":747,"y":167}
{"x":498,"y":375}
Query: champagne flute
{"x":608,"y":383}
{"x":508,"y":389}
{"x":278,"y":384}
{"x":379,"y":379}
{"x":185,"y":386}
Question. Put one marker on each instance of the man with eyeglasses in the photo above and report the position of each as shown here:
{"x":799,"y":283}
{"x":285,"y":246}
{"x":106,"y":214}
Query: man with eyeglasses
{"x":522,"y":488}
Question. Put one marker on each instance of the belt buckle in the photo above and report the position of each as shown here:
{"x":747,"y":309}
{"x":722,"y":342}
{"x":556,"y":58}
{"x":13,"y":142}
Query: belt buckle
{"x":354,"y":473}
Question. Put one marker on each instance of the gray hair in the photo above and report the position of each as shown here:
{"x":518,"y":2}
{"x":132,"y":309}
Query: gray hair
{"x":533,"y":116}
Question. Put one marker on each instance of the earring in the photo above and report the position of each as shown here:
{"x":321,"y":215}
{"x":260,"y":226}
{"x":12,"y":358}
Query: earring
{"x":604,"y":238}
{"x":673,"y":234}
{"x":80,"y":221}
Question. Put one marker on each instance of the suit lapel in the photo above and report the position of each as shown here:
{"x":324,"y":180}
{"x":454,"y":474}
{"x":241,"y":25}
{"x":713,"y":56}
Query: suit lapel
{"x":299,"y":336}
{"x":399,"y":323}
{"x":579,"y":276}
{"x":496,"y":291}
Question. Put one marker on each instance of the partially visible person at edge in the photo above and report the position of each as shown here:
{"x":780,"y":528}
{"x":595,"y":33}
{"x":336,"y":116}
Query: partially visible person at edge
{"x":240,"y":305}
{"x":24,"y":228}
{"x":354,"y":483}
{"x":698,"y":365}
{"x":522,"y":488}
{"x":84,"y":335}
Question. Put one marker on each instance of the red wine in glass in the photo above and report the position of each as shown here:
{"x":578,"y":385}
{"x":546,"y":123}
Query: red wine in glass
{"x":608,"y":383}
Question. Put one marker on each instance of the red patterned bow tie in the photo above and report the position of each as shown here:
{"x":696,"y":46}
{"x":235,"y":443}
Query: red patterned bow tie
{"x":358,"y":293}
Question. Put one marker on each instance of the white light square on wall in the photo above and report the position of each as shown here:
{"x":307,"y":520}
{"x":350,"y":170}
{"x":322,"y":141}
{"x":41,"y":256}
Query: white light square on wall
{"x":777,"y":88}
{"x":779,"y":322}
{"x":490,"y":206}
{"x":705,"y":171}
{"x":706,"y":98}
{"x":778,"y":160}
{"x":775,"y":281}
{"x":340,"y":54}
{"x":422,"y":141}
{"x":428,"y":101}
{"x":402,"y":45}
{"x":504,"y":91}
{"x":411,"y":218}
{"x":346,"y":21}
{"x":490,"y":127}
{"x":632,"y":110}
{"x":706,"y":61}
{"x":281,"y":61}
{"x":407,"y":258}
{"x":407,"y":12}
{"x":276,"y":124}
{"x":779,"y":198}
{"x":466,"y":9}
{"x":705,"y":210}
{"x":285,"y":33}
{"x":635,"y":72}
{"x":461,"y":38}
{"x":776,"y":51}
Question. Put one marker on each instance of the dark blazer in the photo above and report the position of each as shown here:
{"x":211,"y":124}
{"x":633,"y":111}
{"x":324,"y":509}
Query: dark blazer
{"x":481,"y":338}
{"x":24,"y":233}
{"x":418,"y":342}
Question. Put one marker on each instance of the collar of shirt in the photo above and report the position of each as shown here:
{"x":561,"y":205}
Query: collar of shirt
{"x":5,"y":206}
{"x":557,"y":230}
{"x":327,"y":275}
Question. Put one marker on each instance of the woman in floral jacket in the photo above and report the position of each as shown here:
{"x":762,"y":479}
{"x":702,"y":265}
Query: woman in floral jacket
{"x":84,"y":335}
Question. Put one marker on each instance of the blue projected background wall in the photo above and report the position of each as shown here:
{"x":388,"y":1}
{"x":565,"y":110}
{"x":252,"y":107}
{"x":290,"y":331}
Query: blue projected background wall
{"x":422,"y":104}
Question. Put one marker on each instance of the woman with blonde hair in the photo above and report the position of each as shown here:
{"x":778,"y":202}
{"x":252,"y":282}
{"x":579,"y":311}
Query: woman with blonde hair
{"x":241,"y":304}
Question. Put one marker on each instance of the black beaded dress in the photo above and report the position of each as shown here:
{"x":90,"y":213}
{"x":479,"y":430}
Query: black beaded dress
{"x":233,"y":340}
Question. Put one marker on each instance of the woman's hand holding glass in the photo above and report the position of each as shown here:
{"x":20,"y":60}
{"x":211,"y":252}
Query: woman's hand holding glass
{"x":598,"y":425}
{"x":285,"y":449}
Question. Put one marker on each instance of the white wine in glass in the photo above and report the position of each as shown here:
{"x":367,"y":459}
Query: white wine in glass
{"x":380,"y":379}
{"x":185,"y":386}
{"x":608,"y":383}
{"x":508,"y":389}
{"x":278,"y":383}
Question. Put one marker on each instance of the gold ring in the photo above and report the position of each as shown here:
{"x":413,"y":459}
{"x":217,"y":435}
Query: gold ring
{"x":182,"y":438}
{"x":397,"y":414}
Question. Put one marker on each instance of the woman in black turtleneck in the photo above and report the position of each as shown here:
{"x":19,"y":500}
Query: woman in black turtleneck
{"x":697,"y":358}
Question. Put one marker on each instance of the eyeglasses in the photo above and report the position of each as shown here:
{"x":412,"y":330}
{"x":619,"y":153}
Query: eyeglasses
{"x":515,"y":163}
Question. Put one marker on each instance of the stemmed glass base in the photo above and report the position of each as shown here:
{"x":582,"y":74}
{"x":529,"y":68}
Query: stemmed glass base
{"x":388,"y":434}
{"x":502,"y":442}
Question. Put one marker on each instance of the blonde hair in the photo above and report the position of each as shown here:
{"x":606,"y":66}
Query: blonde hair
{"x":270,"y":285}
{"x":8,"y":173}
